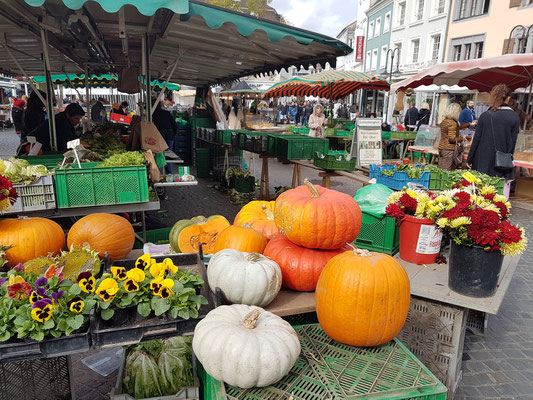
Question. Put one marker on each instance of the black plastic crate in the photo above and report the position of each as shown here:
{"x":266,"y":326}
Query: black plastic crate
{"x":256,"y":142}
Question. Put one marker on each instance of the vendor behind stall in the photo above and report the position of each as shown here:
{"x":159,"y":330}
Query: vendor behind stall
{"x":66,"y":122}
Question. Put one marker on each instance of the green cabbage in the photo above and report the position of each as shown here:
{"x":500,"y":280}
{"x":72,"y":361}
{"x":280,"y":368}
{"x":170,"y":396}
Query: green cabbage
{"x":20,"y":171}
{"x":142,"y":376}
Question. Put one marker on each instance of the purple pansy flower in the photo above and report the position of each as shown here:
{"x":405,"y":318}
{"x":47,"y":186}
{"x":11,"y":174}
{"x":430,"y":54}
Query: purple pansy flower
{"x":41,"y":282}
{"x":41,"y":303}
{"x":19,"y":267}
{"x":58,"y":295}
{"x":2,"y":281}
{"x":40,"y":291}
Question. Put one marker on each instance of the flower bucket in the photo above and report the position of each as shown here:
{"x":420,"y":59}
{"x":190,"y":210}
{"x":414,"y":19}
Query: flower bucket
{"x":420,"y":240}
{"x":473,"y":271}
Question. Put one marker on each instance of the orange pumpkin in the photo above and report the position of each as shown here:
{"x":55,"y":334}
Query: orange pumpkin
{"x":103,"y":232}
{"x":259,"y":215}
{"x":318,"y":218}
{"x":362,"y":298}
{"x":241,"y":238}
{"x":300,"y":267}
{"x":187,"y":234}
{"x":30,"y":238}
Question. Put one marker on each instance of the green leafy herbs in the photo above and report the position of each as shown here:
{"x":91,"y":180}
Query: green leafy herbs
{"x":158,"y":367}
{"x":21,"y":171}
{"x":412,"y":171}
{"x":124,"y":159}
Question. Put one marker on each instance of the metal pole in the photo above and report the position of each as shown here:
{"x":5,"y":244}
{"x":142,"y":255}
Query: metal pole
{"x":71,"y":84}
{"x":87,"y":95}
{"x":146,"y":57}
{"x":529,"y":106}
{"x":143,"y":73}
{"x":50,"y":93}
{"x":165,"y":86}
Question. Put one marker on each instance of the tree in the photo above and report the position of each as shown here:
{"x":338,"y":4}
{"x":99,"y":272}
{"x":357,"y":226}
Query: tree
{"x":257,"y":8}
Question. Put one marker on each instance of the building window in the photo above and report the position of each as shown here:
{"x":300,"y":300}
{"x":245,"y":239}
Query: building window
{"x":441,"y":5}
{"x":386,"y":24}
{"x":467,"y":48}
{"x":383,"y":59}
{"x":401,"y":14}
{"x":526,"y":3}
{"x":399,"y":47}
{"x":415,"y":50}
{"x":368,"y":60}
{"x":479,"y":50}
{"x":435,"y":48}
{"x":377,"y":32}
{"x":457,"y":52}
{"x":419,"y":14}
{"x":468,"y":51}
{"x":374,"y":59}
{"x":370,"y":30}
{"x":471,"y":8}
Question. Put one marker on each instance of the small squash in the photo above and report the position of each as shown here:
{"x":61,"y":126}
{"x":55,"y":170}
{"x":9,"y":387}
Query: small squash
{"x":300,"y":267}
{"x":30,"y":238}
{"x":362,"y":298}
{"x":103,"y":233}
{"x":245,"y":346}
{"x":244,"y":278}
{"x":318,"y":218}
{"x":242,"y":238}
{"x":259,"y":215}
{"x":187,"y":234}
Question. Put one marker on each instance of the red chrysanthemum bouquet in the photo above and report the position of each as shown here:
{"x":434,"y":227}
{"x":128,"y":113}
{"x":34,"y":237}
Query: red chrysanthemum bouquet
{"x":409,"y":202}
{"x":8,"y":194}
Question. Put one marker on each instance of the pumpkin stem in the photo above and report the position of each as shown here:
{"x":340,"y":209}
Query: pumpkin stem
{"x":360,"y":252}
{"x":251,"y":319}
{"x":312,"y":188}
{"x":268,"y":213}
{"x":253,"y":257}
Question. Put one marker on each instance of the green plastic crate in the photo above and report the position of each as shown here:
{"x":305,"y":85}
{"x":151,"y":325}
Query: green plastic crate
{"x":300,"y":147}
{"x":386,"y":135}
{"x":406,"y":135}
{"x":87,"y":187}
{"x":437,"y":179}
{"x":343,"y":133}
{"x":155,"y":236}
{"x":335,"y":162}
{"x":302,"y":131}
{"x":223,"y":136}
{"x":379,"y":234}
{"x":272,"y":147}
{"x":255,"y":142}
{"x":330,"y":370}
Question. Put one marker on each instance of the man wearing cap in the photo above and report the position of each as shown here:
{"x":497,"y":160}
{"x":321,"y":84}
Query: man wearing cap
{"x":98,"y":112}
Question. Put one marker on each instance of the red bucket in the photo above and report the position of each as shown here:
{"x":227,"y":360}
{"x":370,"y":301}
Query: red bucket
{"x":420,"y":240}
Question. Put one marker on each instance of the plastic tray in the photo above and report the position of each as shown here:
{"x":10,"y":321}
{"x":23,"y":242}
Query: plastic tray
{"x":255,"y":142}
{"x":101,"y":186}
{"x":189,"y":393}
{"x":30,"y":349}
{"x":39,"y":195}
{"x":399,"y":180}
{"x":379,"y":234}
{"x":132,"y":332}
{"x":155,"y":236}
{"x":330,"y":370}
{"x":334,"y":162}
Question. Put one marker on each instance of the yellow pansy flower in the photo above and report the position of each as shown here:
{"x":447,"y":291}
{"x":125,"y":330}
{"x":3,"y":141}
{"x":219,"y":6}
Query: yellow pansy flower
{"x":108,"y":289}
{"x":119,"y":273}
{"x":136,"y":274}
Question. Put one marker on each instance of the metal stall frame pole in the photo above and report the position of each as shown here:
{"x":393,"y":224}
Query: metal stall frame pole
{"x":146,"y":71}
{"x":71,"y":84}
{"x":143,"y":79}
{"x":158,"y":100}
{"x":50,"y":93}
{"x":529,"y":106}
{"x":87,"y":96}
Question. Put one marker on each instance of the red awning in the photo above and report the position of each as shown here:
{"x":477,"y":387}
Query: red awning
{"x":515,"y":70}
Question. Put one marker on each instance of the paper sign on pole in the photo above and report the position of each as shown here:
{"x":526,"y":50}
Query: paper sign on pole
{"x":35,"y":146}
{"x":368,"y":145}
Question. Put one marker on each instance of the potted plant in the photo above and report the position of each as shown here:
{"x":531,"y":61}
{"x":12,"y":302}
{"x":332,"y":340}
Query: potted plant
{"x":476,"y":219}
{"x":244,"y":181}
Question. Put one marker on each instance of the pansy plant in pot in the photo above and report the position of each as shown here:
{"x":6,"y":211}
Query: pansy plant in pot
{"x":150,"y":287}
{"x":40,"y":307}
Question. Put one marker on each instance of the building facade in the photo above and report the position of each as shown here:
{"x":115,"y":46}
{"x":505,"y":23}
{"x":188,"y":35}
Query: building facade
{"x":347,"y":35}
{"x":481,"y":28}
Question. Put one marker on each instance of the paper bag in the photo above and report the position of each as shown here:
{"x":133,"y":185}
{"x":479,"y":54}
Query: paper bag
{"x":145,"y":136}
{"x":128,"y":81}
{"x":155,"y":173}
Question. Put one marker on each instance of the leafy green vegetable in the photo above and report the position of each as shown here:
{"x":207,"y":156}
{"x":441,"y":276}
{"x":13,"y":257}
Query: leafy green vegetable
{"x":124,"y":159}
{"x":20,"y":171}
{"x":412,"y":171}
{"x":142,"y":376}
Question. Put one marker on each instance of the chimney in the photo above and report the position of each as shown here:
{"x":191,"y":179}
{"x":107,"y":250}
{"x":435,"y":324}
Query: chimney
{"x":244,"y":6}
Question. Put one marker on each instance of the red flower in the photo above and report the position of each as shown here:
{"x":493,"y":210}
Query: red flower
{"x":454,"y":213}
{"x":509,"y":233}
{"x":484,"y":219}
{"x":489,"y":196}
{"x":503,"y":209}
{"x":463,"y":197}
{"x":484,"y":237}
{"x":16,"y":288}
{"x":7,"y":191}
{"x":408,"y":202}
{"x":395,"y":211}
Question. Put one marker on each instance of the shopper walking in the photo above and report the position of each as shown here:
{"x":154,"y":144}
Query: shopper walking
{"x":17,"y":112}
{"x":450,"y":137}
{"x":317,"y":121}
{"x":33,"y":116}
{"x":423,"y":115}
{"x":496,"y":131}
{"x":468,"y":114}
{"x":235,"y":117}
{"x":411,"y":117}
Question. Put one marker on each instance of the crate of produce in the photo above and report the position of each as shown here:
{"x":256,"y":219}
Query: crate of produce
{"x":134,"y":330}
{"x":223,"y":136}
{"x":379,"y":234}
{"x":330,"y":370}
{"x":256,"y":142}
{"x":39,"y":195}
{"x":50,"y":160}
{"x":186,"y":393}
{"x":155,"y":236}
{"x":84,"y":187}
{"x":335,"y":162}
{"x":386,"y":135}
{"x":406,"y":135}
{"x":297,"y":147}
{"x":301,"y":131}
{"x":456,"y":176}
{"x":437,"y":178}
{"x":399,"y":179}
{"x":122,"y":119}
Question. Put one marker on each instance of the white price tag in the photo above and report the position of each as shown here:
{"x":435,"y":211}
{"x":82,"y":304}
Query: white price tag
{"x":429,"y":240}
{"x":73,"y":143}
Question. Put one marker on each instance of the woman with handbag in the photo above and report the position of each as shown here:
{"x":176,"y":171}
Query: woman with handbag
{"x":495,"y":138}
{"x":450,"y":145}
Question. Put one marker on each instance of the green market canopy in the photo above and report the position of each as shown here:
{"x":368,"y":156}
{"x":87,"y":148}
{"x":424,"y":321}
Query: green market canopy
{"x":328,"y":84}
{"x":145,"y":7}
{"x":100,"y":81}
{"x":241,"y":88}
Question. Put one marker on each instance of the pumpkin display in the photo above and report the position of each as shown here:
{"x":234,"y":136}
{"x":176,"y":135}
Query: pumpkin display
{"x":245,"y":346}
{"x":103,"y":233}
{"x":300,"y":266}
{"x":259,"y":215}
{"x":242,"y":238}
{"x":187,"y":234}
{"x":362,"y":298}
{"x":244,"y":278}
{"x":318,"y":218}
{"x":30,"y":238}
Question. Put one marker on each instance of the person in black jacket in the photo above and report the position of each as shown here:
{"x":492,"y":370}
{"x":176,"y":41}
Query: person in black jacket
{"x":66,"y":123}
{"x":423,"y":115}
{"x":98,"y":112}
{"x":33,"y":115}
{"x":411,"y":117}
{"x":166,"y":124}
{"x":17,"y":111}
{"x":497,"y":130}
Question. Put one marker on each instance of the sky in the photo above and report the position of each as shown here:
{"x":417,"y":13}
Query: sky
{"x":328,"y":17}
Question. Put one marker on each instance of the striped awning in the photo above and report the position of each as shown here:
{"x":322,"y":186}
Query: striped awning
{"x":328,"y":84}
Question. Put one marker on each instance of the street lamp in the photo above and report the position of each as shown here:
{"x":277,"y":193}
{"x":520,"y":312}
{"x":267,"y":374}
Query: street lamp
{"x":525,"y":34}
{"x":394,"y":53}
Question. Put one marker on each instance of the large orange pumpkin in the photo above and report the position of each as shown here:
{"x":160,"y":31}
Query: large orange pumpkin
{"x":242,"y":238}
{"x":259,"y":215}
{"x":103,"y":232}
{"x":362,"y":298}
{"x":187,"y":235}
{"x":30,"y":238}
{"x":300,"y":266}
{"x":318,"y":218}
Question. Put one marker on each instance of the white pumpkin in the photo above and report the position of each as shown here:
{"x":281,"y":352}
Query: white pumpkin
{"x":245,"y":278}
{"x":245,"y":346}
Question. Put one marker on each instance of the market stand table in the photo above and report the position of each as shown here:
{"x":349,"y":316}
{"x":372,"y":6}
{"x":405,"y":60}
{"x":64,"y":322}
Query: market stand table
{"x":438,"y":317}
